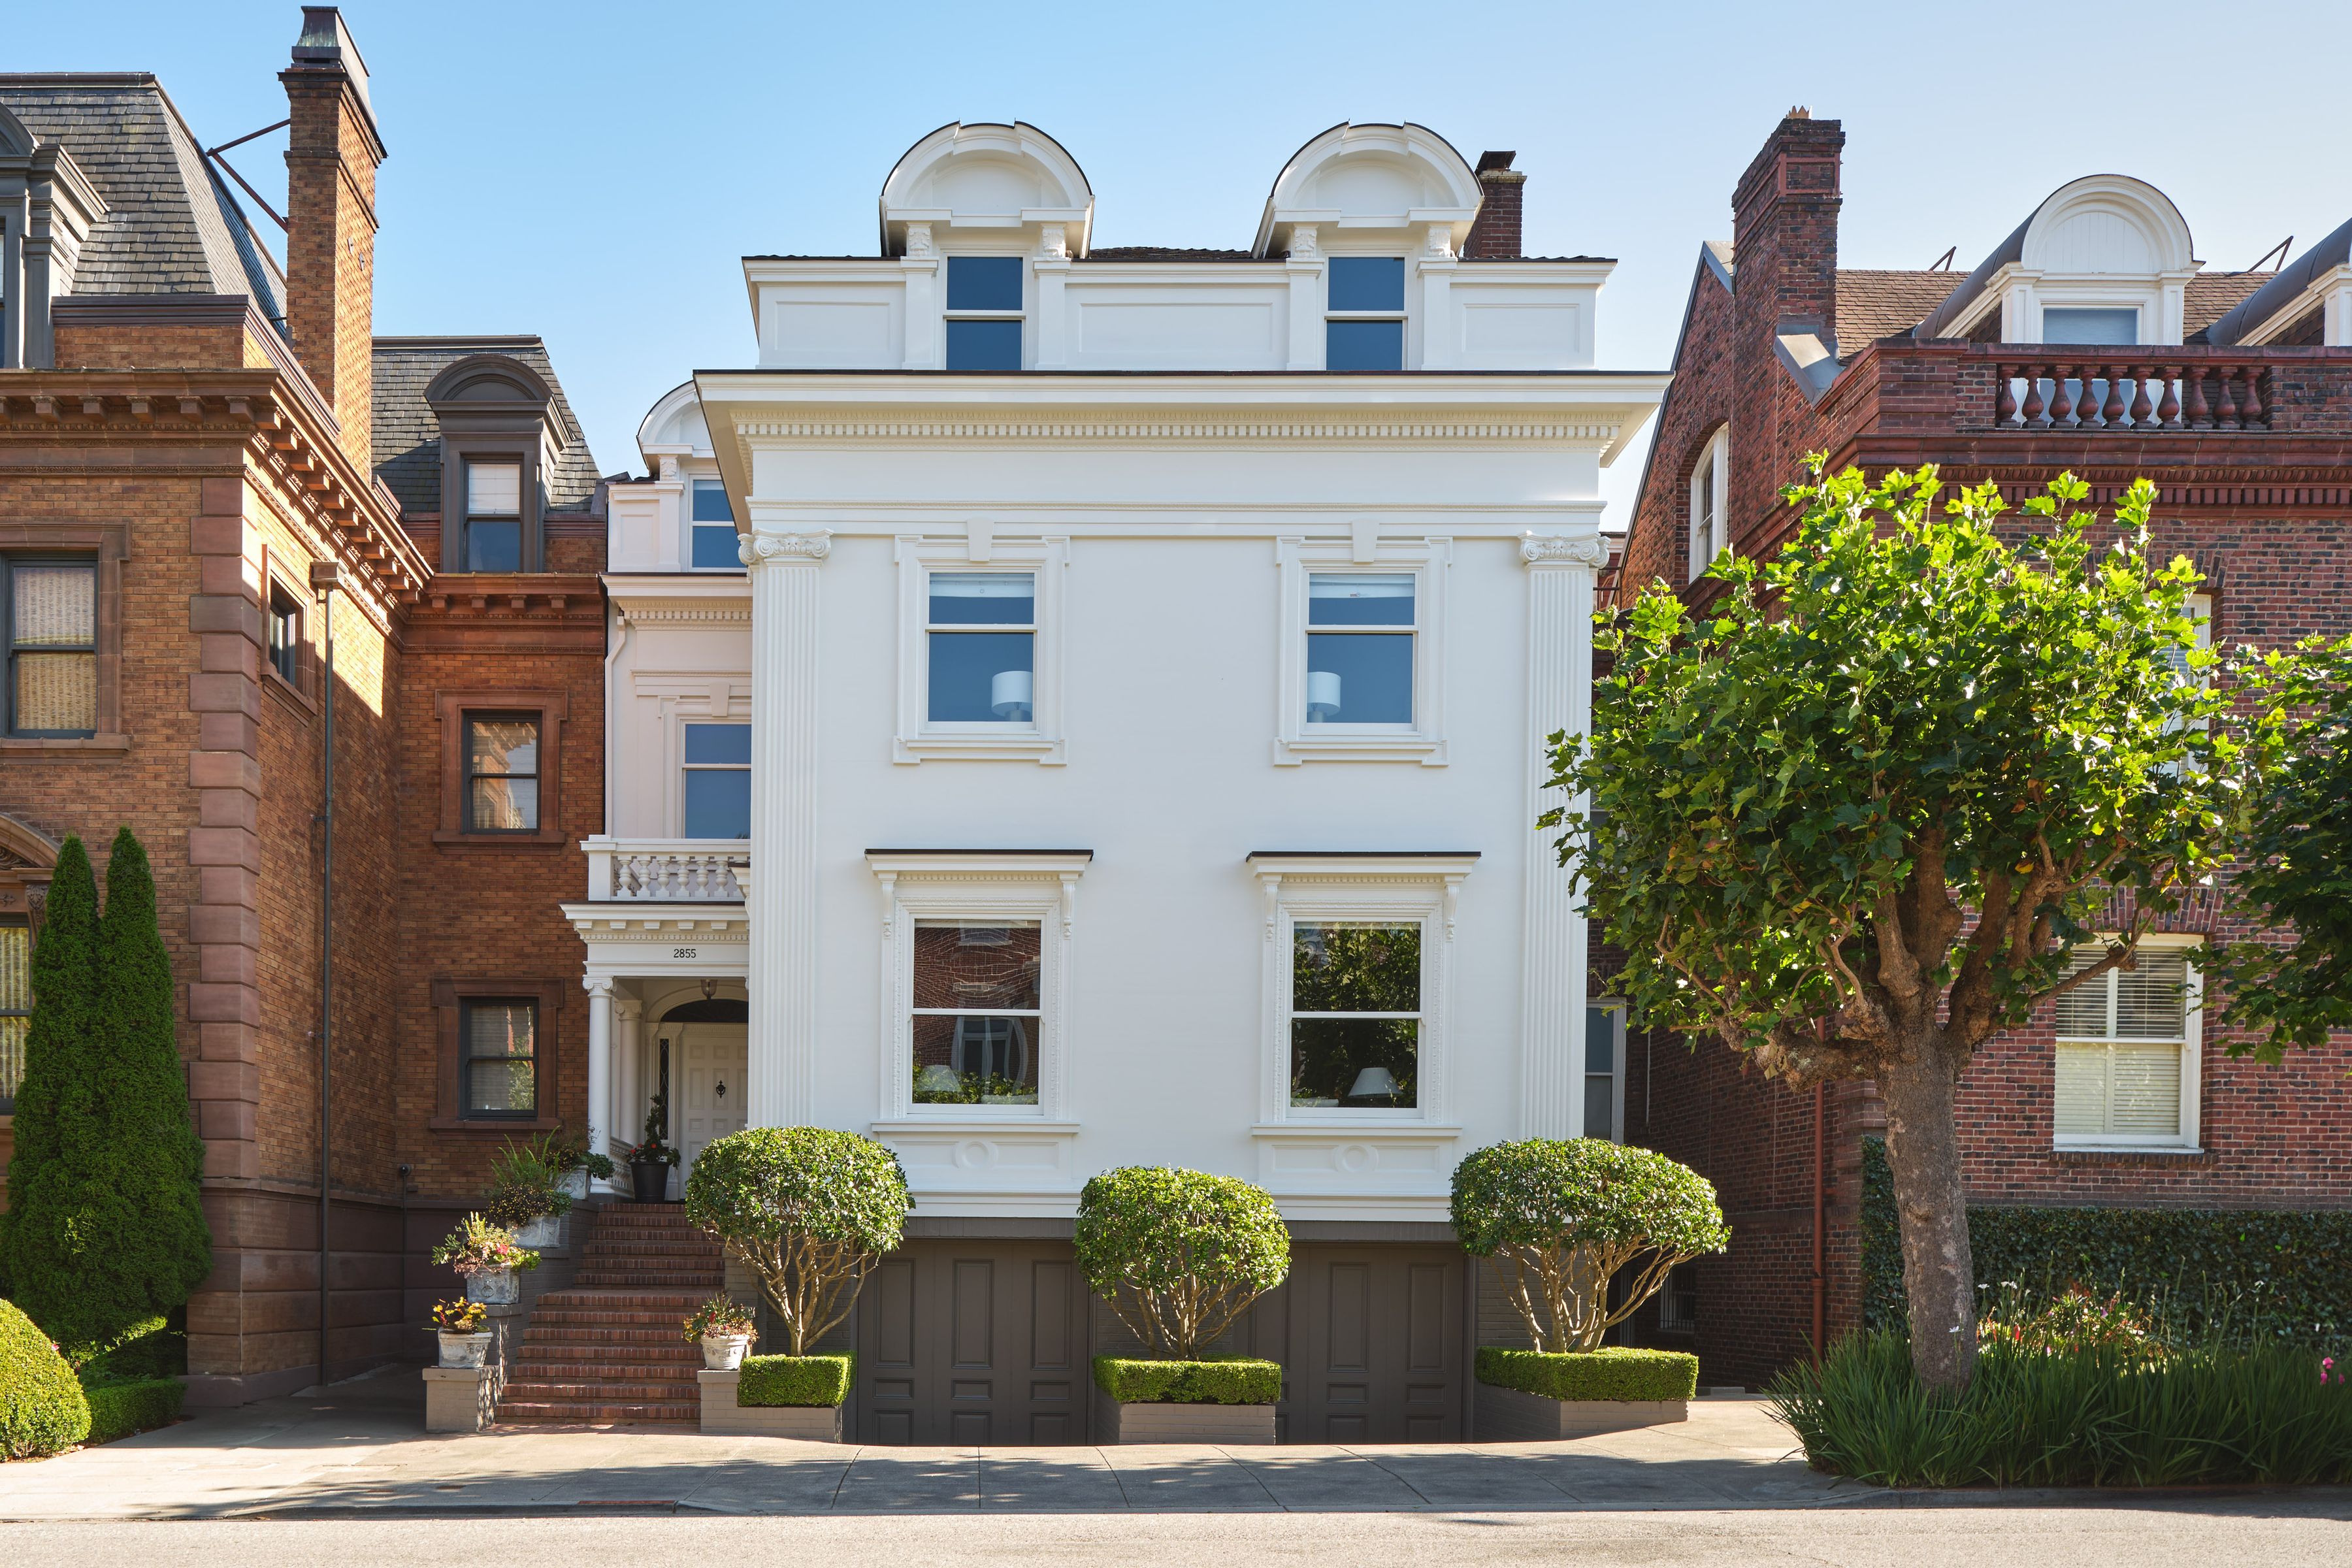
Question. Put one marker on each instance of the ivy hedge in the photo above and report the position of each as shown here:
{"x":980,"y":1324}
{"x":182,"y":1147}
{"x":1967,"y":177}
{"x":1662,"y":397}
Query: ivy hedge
{"x":1612,"y":1372}
{"x":2283,"y":1275}
{"x":1219,"y":1380}
{"x":120,"y":1409}
{"x":817,"y":1380}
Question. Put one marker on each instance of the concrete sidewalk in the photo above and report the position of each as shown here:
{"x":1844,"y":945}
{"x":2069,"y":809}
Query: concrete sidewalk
{"x":359,"y":1448}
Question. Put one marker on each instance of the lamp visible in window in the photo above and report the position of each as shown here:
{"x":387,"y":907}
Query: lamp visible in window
{"x":977,"y":1013}
{"x":52,"y":637}
{"x":1355,"y":1014}
{"x":1359,"y":648}
{"x":502,"y":772}
{"x":981,"y":644}
{"x":493,"y":516}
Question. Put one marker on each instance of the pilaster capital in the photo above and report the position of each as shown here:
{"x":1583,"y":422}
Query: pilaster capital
{"x":1589,"y":551}
{"x":757,"y":550}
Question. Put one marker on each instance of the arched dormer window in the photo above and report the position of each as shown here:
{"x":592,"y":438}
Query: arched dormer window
{"x":499,"y":437}
{"x":1710,"y":498}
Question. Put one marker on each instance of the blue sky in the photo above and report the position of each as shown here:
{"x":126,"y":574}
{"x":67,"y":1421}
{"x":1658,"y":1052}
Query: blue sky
{"x":592,"y":172}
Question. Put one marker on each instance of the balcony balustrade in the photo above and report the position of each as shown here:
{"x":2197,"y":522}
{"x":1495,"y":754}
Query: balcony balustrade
{"x":668,"y":870}
{"x":2120,"y":391}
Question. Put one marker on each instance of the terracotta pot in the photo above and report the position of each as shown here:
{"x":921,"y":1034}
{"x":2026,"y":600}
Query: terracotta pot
{"x":724,"y":1353}
{"x":493,"y":1287}
{"x":463,"y":1350}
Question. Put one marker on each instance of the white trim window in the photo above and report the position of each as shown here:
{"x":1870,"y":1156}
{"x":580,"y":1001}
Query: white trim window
{"x":2128,"y":1051}
{"x":980,"y":654}
{"x":984,"y":313}
{"x":1362,"y":673}
{"x":1710,"y":503}
{"x":710,"y":538}
{"x":1604,"y":1070}
{"x":1364,"y":315}
{"x":715,"y":785}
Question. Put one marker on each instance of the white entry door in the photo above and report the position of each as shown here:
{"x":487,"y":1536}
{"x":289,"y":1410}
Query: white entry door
{"x":708,"y":1062}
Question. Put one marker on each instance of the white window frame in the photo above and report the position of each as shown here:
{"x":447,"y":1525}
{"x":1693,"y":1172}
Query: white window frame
{"x":683,"y":767}
{"x":1402,"y":315}
{"x":1423,"y":740}
{"x":1024,"y":315}
{"x":686,"y":540}
{"x":1002,"y":886}
{"x":1616,"y":1008}
{"x":1040,"y":740}
{"x":1382,"y":890}
{"x":1709,"y":532}
{"x":2192,"y":1030}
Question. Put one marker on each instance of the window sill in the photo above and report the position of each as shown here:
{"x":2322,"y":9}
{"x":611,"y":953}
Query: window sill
{"x":969,"y":1122}
{"x":64,"y":745}
{"x":2127,"y":1154}
{"x":543,"y":839}
{"x":1400,"y":746}
{"x":482,"y":1127}
{"x":1026,"y":747}
{"x":286,"y":692}
{"x":1360,"y":1129}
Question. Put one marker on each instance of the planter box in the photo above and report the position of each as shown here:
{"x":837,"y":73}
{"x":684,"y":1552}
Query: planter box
{"x":721,"y":1416}
{"x":1230,"y":1424}
{"x":493,"y":1287}
{"x":466,"y":1353}
{"x":544,"y":1231}
{"x":460,"y":1398}
{"x":1506,"y":1416}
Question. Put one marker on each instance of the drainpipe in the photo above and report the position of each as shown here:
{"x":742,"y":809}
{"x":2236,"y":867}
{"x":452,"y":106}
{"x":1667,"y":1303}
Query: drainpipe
{"x":324,"y":577}
{"x":1821,"y":1216}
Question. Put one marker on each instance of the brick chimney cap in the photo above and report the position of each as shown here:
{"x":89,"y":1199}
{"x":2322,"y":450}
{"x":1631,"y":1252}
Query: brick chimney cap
{"x":326,"y":44}
{"x":1489,"y":163}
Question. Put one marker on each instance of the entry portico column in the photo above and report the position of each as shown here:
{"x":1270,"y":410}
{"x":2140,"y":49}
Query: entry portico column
{"x":600,"y":1060}
{"x":781,"y":903}
{"x":628,"y":1099}
{"x":1560,"y":571}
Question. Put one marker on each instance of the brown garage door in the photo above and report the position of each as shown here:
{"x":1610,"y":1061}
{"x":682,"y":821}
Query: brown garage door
{"x":974,"y":1342}
{"x":1375,"y":1342}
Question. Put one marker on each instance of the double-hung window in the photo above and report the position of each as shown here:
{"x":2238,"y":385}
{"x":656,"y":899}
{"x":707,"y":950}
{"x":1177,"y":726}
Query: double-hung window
{"x":984,"y":314}
{"x":712,"y":528}
{"x":977,"y":1013}
{"x":1604,"y":1071}
{"x":981,"y":644}
{"x":1361,"y":632}
{"x":1363,"y":327}
{"x":50,"y":633}
{"x":1710,"y":494}
{"x":286,"y":633}
{"x":1355,"y":1014}
{"x":498,"y":1045}
{"x":502,"y":772}
{"x":493,"y":515}
{"x":15,"y":1004}
{"x":2126,"y":1067}
{"x":718,"y":787}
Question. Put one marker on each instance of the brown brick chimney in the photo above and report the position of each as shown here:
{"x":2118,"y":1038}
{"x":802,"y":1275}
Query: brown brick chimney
{"x":1495,"y":232}
{"x":330,"y":163}
{"x":1784,"y":215}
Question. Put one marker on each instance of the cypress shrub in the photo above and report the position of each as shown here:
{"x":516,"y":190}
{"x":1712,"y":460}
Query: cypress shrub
{"x":42,"y":1410}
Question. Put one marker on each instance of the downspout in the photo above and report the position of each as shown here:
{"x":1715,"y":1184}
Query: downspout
{"x":1821,"y":1216}
{"x":324,"y":576}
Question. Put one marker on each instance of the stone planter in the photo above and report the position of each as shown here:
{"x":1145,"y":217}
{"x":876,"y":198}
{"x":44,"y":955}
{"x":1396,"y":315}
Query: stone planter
{"x":576,"y":1184}
{"x":1506,"y":1416}
{"x":463,"y":1350}
{"x":721,"y":1416}
{"x":1238,"y":1424}
{"x":542,"y":1230}
{"x":649,"y":1180}
{"x":724,"y":1353}
{"x":493,"y":1287}
{"x":460,"y":1398}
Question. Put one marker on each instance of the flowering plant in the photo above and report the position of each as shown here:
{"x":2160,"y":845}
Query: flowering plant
{"x":457,"y":1317}
{"x":2076,"y":1321}
{"x":655,"y":1150}
{"x":477,"y":1246}
{"x":721,"y":1316}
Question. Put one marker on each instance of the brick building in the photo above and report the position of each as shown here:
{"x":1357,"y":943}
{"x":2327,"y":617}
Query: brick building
{"x":210,"y":473}
{"x":2091,"y":341}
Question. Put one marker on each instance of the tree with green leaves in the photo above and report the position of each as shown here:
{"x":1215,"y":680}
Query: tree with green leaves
{"x":1856,"y":816}
{"x":105,"y":1230}
{"x":1179,"y":1256}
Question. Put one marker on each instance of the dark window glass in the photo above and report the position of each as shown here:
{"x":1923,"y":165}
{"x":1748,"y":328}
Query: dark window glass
{"x":1367,"y":283}
{"x":1363,"y":346}
{"x":983,"y":676}
{"x":500,"y":1042}
{"x":976,"y":1019}
{"x":984,"y":283}
{"x":1360,"y":599}
{"x":710,"y":502}
{"x":2104,"y":327}
{"x":718,"y":745}
{"x":718,"y":780}
{"x":493,"y":544}
{"x":714,"y":547}
{"x":286,"y":633}
{"x":15,"y":1004}
{"x":1358,"y":679}
{"x":502,"y":772}
{"x":49,"y":625}
{"x":1600,"y":1069}
{"x":1355,"y":1015}
{"x":984,"y":345}
{"x":493,"y":517}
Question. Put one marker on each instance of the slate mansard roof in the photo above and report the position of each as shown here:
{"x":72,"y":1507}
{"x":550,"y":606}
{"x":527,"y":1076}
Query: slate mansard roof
{"x":170,"y":224}
{"x":408,"y":436}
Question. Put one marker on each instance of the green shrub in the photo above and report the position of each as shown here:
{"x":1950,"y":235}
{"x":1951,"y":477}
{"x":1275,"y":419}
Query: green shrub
{"x":120,"y":1409}
{"x":2252,"y":1274}
{"x":1178,"y":1254}
{"x":821,"y":1380}
{"x":2265,"y":1412}
{"x":1564,"y":1216}
{"x":808,"y":1209}
{"x":156,"y":1348}
{"x":1217,"y":1380}
{"x":1612,"y":1372}
{"x":106,"y":1224}
{"x":42,"y":1409}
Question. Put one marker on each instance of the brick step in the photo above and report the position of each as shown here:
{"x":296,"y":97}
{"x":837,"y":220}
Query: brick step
{"x":709,"y":1282}
{"x":620,"y":1299}
{"x":613,"y":1393}
{"x":612,"y":1338}
{"x":605,"y":1350}
{"x":589,"y":1325}
{"x":619,"y":1311}
{"x":588,"y":1369}
{"x":583,"y":1412}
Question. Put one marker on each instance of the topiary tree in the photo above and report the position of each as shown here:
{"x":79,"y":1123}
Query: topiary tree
{"x":1564,"y":1216}
{"x":808,"y":1209}
{"x":1178,"y":1254}
{"x":1855,"y":818}
{"x":42,"y":1409}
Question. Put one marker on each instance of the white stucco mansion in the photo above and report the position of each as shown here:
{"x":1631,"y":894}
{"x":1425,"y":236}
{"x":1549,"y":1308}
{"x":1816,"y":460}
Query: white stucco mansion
{"x":1071,"y":708}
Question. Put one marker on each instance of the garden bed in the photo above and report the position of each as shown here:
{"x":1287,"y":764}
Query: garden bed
{"x":779,"y":1396}
{"x":1224,"y":1399}
{"x":1536,"y":1396}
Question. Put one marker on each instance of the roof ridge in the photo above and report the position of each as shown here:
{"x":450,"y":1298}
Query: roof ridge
{"x":79,"y":78}
{"x":456,"y":340}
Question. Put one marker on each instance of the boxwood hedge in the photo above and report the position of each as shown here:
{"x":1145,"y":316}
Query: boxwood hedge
{"x":2263,"y":1275}
{"x":1220,"y":1380}
{"x":120,"y":1409}
{"x":1612,"y":1372}
{"x":819,"y":1380}
{"x":42,"y":1410}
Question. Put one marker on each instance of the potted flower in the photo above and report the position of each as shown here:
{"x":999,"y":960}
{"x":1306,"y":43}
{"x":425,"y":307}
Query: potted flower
{"x":650,"y":1162}
{"x":527,"y":1193}
{"x":464,"y":1341}
{"x":574,"y":1164}
{"x":726,"y":1329}
{"x":488,"y":1256}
